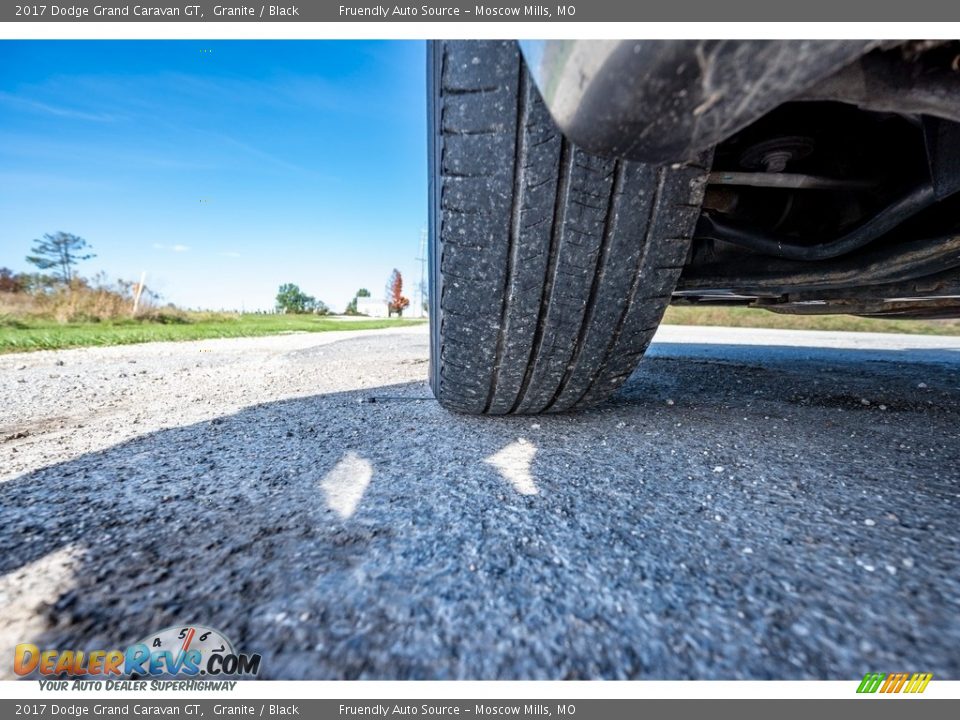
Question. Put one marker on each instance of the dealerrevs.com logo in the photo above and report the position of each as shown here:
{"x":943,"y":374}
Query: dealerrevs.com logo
{"x":189,"y":651}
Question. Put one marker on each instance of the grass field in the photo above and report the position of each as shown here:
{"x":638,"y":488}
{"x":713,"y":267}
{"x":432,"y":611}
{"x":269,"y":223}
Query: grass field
{"x":19,"y":334}
{"x":23,"y":334}
{"x":752,"y":317}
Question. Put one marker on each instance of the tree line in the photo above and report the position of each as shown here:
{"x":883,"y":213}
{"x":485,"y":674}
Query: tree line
{"x":291,"y":299}
{"x":61,"y":252}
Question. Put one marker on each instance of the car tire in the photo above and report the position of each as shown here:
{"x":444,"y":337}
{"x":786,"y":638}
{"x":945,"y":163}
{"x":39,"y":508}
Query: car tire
{"x":550,"y":267}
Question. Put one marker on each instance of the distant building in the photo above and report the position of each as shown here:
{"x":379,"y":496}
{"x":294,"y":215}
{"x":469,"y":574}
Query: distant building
{"x":372,"y":307}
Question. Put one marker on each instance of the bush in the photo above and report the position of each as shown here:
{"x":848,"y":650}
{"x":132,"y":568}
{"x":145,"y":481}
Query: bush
{"x":9,"y":281}
{"x":42,"y":297}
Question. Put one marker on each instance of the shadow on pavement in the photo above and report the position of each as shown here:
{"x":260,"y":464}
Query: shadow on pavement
{"x":717,"y":520}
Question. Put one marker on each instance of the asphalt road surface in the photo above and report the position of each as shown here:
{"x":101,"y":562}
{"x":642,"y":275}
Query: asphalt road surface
{"x":754,"y":504}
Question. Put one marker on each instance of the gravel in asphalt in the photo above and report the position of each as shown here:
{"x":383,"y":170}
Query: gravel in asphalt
{"x":754,"y":504}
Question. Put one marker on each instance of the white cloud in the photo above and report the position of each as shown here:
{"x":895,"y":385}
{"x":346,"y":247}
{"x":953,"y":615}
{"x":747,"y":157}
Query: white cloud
{"x":172,"y":248}
{"x":37,"y":106}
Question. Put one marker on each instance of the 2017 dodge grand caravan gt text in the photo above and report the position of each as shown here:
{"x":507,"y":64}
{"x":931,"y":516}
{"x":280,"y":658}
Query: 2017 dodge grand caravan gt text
{"x":579,"y":187}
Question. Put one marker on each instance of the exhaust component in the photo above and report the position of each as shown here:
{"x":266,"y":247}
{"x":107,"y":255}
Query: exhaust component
{"x":793,"y":181}
{"x":942,"y":141}
{"x":904,"y":261}
{"x":711,"y":228}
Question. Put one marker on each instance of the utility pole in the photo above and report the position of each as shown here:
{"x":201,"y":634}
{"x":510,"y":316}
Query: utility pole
{"x":136,"y":297}
{"x":422,"y":287}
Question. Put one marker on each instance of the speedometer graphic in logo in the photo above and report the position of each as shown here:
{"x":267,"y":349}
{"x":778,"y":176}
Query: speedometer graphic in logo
{"x":196,"y":644}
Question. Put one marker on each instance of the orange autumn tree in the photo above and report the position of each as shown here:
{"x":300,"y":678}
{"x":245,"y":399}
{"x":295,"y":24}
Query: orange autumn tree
{"x":396,"y":302}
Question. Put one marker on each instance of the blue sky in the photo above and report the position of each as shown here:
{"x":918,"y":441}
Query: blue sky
{"x":221,"y":168}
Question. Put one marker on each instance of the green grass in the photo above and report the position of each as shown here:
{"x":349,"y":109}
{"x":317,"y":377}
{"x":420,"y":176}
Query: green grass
{"x":752,"y":317}
{"x":20,"y":334}
{"x":23,"y":334}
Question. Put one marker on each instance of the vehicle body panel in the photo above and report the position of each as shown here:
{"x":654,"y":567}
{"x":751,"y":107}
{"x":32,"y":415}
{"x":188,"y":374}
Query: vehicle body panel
{"x":666,"y":100}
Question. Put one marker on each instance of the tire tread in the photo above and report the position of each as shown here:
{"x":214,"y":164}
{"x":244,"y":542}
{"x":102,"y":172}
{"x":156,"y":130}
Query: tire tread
{"x":556,"y":265}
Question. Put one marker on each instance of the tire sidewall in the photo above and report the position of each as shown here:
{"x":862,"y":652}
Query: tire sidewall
{"x":434,"y":149}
